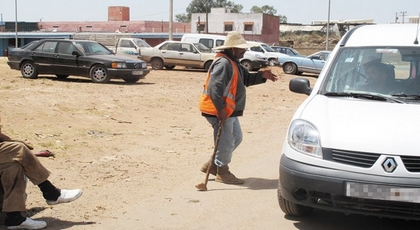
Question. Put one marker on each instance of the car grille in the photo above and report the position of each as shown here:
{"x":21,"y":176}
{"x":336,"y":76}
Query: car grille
{"x":366,"y":160}
{"x":134,"y":65}
{"x":412,"y":164}
{"x":359,"y":159}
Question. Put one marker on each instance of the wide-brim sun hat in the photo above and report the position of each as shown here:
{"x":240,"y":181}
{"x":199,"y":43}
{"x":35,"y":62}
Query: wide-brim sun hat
{"x":234,"y":40}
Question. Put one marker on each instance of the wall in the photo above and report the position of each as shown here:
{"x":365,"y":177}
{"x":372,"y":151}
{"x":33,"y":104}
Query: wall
{"x":265,"y":27}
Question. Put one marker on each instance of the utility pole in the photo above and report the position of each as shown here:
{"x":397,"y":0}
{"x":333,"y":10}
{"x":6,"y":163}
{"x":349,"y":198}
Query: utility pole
{"x":328,"y":26}
{"x":207,"y":16}
{"x":403,"y":14}
{"x":16,"y":26}
{"x":171,"y":9}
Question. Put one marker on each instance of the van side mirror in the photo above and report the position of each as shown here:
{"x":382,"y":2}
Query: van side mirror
{"x":300,"y":85}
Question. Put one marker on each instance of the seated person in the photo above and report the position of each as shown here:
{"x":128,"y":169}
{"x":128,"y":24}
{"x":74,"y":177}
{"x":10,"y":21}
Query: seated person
{"x":378,"y":79}
{"x":17,"y":163}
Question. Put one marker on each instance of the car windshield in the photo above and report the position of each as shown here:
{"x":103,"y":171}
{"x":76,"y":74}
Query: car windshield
{"x":92,"y":48}
{"x":142,"y":43}
{"x":391,"y":72}
{"x":267,"y":48}
{"x":202,"y":48}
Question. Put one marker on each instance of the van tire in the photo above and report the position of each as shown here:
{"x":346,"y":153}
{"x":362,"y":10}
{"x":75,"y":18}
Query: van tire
{"x":290,"y":208}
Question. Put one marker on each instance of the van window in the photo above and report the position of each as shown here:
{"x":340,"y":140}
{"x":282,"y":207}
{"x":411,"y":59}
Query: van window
{"x":207,"y":42}
{"x":400,"y":66}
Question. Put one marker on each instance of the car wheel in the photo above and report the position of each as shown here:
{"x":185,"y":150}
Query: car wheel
{"x":290,"y":68}
{"x":28,"y":70}
{"x":290,"y":208}
{"x":99,"y":74}
{"x":61,"y":77}
{"x":247,"y":64}
{"x":272,"y":62}
{"x":207,"y":65}
{"x":157,"y":63}
{"x":169,"y":66}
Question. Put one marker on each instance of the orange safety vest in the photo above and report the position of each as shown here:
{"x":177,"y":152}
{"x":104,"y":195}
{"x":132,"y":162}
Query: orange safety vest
{"x":229,"y":94}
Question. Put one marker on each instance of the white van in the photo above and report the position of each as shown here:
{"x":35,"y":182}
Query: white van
{"x":353,"y":145}
{"x":209,"y":40}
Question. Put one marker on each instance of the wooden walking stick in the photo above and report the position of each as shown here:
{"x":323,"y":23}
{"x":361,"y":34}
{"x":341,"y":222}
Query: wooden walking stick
{"x":203,"y":186}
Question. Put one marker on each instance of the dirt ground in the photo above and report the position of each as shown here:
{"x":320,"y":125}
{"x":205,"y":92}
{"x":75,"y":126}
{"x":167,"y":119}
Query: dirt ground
{"x":136,"y":149}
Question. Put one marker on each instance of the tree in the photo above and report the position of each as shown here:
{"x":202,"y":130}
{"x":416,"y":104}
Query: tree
{"x":182,"y":18}
{"x":200,"y":6}
{"x":266,"y":9}
{"x":283,"y":19}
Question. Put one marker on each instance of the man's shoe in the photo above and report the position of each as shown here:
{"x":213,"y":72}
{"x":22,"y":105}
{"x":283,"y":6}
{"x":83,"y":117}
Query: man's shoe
{"x":66,"y":196}
{"x":225,"y":176}
{"x":30,"y":224}
{"x":213,"y":168}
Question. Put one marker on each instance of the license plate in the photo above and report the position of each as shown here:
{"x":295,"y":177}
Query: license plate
{"x":382,"y":192}
{"x":137,"y":72}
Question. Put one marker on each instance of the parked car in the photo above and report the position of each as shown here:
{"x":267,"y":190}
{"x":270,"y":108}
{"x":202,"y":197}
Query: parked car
{"x":299,"y":64}
{"x":64,"y":57}
{"x":254,"y":61}
{"x":272,"y":55}
{"x":354,"y":149}
{"x":169,"y":54}
{"x":286,"y":50}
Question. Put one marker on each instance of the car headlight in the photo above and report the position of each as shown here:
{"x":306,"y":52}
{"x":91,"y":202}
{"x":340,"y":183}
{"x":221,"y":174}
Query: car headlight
{"x":144,"y":65}
{"x":119,"y":65}
{"x":304,"y":138}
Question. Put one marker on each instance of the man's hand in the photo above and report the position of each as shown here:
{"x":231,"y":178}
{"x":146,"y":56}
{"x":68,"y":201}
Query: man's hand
{"x":267,"y":74}
{"x":221,"y":115}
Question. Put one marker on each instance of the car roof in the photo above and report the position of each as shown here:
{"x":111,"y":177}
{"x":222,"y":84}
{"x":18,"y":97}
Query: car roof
{"x":381,"y":35}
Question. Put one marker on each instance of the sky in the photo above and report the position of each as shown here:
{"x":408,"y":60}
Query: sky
{"x":296,"y":11}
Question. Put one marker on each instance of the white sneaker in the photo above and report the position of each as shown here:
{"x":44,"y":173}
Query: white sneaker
{"x":30,"y":224}
{"x":66,"y":196}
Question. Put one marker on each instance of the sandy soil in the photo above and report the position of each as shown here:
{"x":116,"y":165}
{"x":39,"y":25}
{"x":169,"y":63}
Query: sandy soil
{"x":135,"y":149}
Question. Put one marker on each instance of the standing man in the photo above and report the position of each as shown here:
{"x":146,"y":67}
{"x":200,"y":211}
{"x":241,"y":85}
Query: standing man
{"x":223,"y":99}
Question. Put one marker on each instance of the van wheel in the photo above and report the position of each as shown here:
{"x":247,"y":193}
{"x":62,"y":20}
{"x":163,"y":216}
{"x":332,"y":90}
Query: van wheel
{"x":157,"y":63}
{"x":290,"y":208}
{"x":247,"y":64}
{"x":290,"y":68}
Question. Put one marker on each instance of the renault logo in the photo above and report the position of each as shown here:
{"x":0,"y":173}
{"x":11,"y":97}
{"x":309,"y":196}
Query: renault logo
{"x":389,"y":165}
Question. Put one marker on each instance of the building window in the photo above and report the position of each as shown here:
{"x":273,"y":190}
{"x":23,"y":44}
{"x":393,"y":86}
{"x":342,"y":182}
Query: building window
{"x":248,"y":26}
{"x":228,"y":27}
{"x":201,"y":26}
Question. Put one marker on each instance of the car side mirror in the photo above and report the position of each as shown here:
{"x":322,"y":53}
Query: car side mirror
{"x":300,"y":85}
{"x":316,"y":57}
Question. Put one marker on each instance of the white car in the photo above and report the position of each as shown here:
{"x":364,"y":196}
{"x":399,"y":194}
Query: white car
{"x":353,"y":146}
{"x":272,"y":55}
